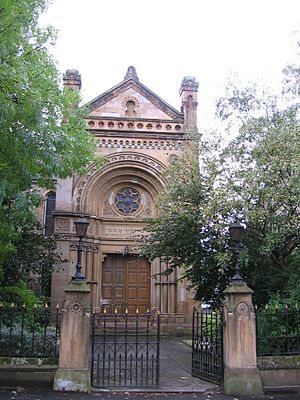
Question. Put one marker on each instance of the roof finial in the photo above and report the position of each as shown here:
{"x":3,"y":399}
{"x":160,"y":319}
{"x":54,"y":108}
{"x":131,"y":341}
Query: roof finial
{"x":131,"y":74}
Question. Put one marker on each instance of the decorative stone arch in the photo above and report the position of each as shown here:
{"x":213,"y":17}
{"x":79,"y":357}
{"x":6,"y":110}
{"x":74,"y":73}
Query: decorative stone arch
{"x":128,"y":168}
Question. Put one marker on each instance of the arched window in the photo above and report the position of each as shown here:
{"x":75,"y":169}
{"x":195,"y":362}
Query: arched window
{"x":130,"y":111}
{"x":49,"y":208}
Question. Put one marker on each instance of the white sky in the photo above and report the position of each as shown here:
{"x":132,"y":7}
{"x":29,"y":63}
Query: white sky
{"x":168,"y":39}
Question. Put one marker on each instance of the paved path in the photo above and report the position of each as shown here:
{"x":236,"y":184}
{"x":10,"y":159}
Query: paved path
{"x":175,"y":369}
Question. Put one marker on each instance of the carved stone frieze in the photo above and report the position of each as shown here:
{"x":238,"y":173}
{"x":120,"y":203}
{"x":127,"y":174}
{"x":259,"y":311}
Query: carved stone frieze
{"x":129,"y":157}
{"x":107,"y":208}
{"x":62,"y":224}
{"x":147,"y":211}
{"x":173,"y":129}
{"x":63,"y":237}
{"x":119,"y":230}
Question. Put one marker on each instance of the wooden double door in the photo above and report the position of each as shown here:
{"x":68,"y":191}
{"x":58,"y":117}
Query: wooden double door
{"x":126,"y":284}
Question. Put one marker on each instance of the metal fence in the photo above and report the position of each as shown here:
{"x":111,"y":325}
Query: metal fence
{"x":207,"y":345}
{"x":28,"y":332}
{"x":125,"y":350}
{"x":278,"y":331}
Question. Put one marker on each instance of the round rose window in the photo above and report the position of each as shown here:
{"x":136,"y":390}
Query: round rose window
{"x":127,"y":200}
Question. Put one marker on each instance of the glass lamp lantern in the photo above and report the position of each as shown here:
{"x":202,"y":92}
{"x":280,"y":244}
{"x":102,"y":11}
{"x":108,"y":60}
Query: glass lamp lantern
{"x":81,"y":227}
{"x":236,"y":232}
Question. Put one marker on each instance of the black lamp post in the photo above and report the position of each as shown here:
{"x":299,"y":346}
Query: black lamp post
{"x":81,"y":228}
{"x":236,"y":233}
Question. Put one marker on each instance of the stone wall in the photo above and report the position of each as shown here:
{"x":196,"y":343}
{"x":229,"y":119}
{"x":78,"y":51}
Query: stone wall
{"x":280,"y":372}
{"x":28,"y":372}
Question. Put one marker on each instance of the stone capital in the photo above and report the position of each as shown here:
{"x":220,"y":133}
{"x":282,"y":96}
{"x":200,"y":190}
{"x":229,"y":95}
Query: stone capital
{"x":77,"y":287}
{"x":239,"y":287}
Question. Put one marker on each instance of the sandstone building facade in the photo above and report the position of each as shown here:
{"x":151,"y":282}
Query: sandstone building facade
{"x":140,"y":134}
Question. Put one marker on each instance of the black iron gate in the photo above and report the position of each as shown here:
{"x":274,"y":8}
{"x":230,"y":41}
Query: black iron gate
{"x":207,"y":345}
{"x":125,"y":350}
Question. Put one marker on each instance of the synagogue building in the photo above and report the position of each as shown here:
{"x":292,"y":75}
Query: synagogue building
{"x":140,"y":134}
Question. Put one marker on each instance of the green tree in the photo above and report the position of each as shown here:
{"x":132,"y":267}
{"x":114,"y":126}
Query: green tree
{"x":190,"y":231}
{"x":32,"y":260}
{"x":255,"y":180}
{"x":35,"y":145}
{"x":263,"y":178}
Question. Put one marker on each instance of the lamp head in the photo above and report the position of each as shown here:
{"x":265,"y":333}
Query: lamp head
{"x":236,"y":232}
{"x":81,"y":227}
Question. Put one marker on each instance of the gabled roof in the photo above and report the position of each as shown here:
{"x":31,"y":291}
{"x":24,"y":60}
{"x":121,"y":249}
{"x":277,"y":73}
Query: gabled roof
{"x":132,"y":81}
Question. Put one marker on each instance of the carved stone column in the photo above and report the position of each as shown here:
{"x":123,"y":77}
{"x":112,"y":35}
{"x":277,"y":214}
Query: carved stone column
{"x":73,"y":372}
{"x":96,"y":277}
{"x":241,"y":375}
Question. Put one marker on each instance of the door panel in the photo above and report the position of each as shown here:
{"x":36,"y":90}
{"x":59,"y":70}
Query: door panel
{"x":132,"y":278}
{"x":126,"y":283}
{"x":132,"y":293}
{"x":143,"y":293}
{"x":144,"y":278}
{"x":108,"y":293}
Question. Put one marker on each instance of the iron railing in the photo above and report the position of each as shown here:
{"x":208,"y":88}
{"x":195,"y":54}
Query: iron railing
{"x":278,"y":331}
{"x":28,"y":332}
{"x":125,"y":350}
{"x":207,"y":345}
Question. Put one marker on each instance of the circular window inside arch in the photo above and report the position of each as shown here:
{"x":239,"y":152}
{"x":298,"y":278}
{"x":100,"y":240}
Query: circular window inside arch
{"x":127,"y":200}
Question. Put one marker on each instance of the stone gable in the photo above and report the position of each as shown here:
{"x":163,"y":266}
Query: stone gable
{"x":142,"y":108}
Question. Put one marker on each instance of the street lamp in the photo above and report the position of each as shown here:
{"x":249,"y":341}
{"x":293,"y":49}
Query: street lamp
{"x":236,"y":233}
{"x":81,"y":228}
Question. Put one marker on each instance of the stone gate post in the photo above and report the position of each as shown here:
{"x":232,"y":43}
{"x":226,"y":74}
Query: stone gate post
{"x":73,"y":372}
{"x":241,"y":375}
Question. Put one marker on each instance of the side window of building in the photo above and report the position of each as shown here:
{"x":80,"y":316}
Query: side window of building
{"x":49,"y":208}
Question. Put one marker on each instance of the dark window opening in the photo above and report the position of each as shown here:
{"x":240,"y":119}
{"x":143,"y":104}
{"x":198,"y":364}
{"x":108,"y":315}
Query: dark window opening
{"x":49,"y":220}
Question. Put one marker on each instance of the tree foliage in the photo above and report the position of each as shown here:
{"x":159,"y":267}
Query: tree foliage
{"x":255,"y":179}
{"x":35,"y":145}
{"x":32,"y":260}
{"x":189,"y":231}
{"x":263,"y":178}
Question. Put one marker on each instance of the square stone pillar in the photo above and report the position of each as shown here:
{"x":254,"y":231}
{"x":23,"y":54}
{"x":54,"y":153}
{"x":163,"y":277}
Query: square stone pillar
{"x":241,"y":375}
{"x":73,"y":372}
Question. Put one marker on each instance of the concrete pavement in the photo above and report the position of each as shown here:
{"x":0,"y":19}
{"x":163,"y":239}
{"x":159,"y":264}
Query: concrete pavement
{"x":175,"y":369}
{"x":43,"y":394}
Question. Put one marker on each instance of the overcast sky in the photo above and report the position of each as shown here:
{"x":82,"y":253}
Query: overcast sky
{"x":166,"y":40}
